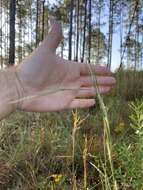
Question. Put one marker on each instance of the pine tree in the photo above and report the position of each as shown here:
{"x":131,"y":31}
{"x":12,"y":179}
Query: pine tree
{"x":43,"y":19}
{"x":12,"y":32}
{"x":90,"y":31}
{"x":84,"y":30}
{"x":37,"y":22}
{"x":77,"y":32}
{"x":71,"y":29}
{"x":110,"y":35}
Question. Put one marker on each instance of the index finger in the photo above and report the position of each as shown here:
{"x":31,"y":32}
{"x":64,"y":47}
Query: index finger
{"x":87,"y":69}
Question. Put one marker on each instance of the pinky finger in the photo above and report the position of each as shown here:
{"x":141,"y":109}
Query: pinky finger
{"x":82,"y":103}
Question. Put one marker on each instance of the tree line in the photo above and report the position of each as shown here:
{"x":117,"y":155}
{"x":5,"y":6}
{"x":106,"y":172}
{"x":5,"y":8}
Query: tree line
{"x":90,"y":27}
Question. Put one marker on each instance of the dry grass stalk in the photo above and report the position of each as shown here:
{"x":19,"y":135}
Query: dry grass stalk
{"x":107,"y":135}
{"x":77,"y":121}
{"x":85,"y":152}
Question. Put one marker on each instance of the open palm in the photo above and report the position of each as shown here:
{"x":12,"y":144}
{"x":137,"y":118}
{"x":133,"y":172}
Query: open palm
{"x":70,"y":81}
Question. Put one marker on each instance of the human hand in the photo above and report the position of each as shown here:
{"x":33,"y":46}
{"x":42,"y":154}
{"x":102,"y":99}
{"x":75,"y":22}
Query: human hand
{"x":71,"y":82}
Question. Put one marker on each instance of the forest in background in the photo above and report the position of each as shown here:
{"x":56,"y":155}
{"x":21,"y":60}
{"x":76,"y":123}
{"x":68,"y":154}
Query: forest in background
{"x":94,"y":30}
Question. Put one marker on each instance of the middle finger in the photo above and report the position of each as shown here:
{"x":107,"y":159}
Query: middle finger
{"x":101,"y":80}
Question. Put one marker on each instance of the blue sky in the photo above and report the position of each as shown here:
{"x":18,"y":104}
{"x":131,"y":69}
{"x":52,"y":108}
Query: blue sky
{"x":116,"y":40}
{"x":116,"y":43}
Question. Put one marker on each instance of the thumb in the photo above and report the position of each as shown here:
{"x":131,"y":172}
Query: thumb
{"x":55,"y":35}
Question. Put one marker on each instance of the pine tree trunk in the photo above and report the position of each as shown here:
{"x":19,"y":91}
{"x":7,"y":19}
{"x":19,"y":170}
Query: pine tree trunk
{"x":137,"y":49}
{"x":43,"y":20}
{"x":12,"y":32}
{"x":110,"y":38}
{"x":74,"y":35}
{"x":37,"y":23}
{"x":121,"y":32}
{"x":71,"y":30}
{"x":89,"y":35}
{"x":98,"y":33}
{"x":77,"y":32}
{"x":20,"y":48}
{"x":31,"y":29}
{"x":84,"y":30}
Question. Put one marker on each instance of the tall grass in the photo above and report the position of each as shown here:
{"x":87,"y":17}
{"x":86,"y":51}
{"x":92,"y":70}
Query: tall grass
{"x":76,"y":126}
{"x":34,"y":148}
{"x":85,"y":152}
{"x":107,"y":136}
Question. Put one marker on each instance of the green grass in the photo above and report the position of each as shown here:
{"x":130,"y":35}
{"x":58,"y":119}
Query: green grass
{"x":34,"y":147}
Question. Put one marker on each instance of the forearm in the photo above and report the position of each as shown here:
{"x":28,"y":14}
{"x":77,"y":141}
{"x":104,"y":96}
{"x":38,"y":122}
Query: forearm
{"x":8,"y":91}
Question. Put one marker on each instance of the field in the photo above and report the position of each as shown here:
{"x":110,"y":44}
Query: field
{"x":76,"y":149}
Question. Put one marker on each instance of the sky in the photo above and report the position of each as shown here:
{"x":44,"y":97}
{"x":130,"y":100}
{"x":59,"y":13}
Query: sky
{"x":116,"y":39}
{"x":116,"y":43}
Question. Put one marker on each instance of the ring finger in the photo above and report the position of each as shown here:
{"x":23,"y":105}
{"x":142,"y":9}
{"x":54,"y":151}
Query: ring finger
{"x":91,"y":92}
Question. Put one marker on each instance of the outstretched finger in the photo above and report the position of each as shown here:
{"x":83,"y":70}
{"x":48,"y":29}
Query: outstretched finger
{"x":86,"y":69}
{"x":101,"y":80}
{"x":81,"y":103}
{"x":55,"y":35}
{"x":92,"y":92}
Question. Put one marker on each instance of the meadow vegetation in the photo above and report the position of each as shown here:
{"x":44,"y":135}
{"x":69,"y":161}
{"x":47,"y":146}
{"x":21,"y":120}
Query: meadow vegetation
{"x":72,"y":149}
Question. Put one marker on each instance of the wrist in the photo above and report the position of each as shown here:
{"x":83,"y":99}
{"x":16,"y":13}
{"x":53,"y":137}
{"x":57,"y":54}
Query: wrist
{"x":10,"y":91}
